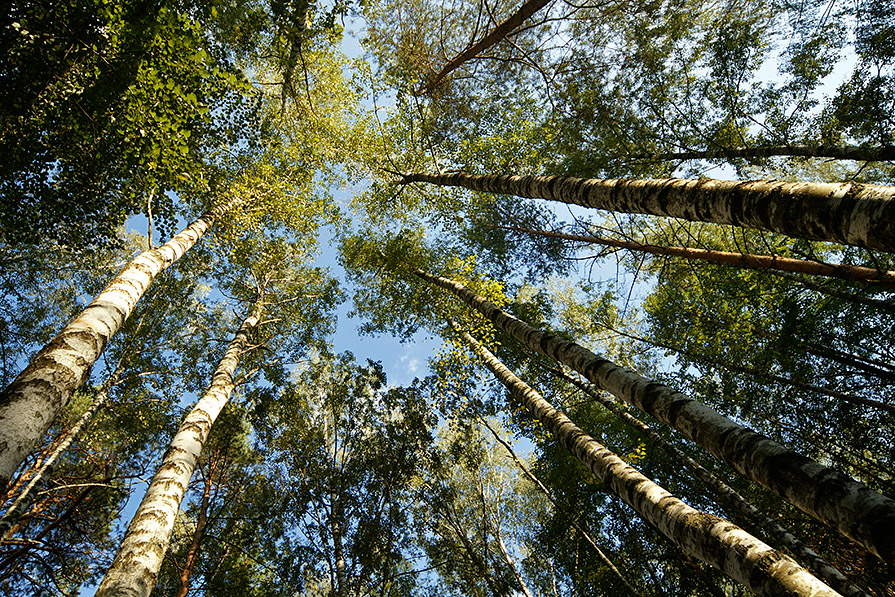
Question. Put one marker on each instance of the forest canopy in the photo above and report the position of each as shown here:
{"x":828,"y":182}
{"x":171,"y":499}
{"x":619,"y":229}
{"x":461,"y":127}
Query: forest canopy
{"x":646,"y":251}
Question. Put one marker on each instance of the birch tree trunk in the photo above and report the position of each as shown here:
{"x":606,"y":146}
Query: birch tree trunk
{"x":854,"y":273}
{"x":711,"y":539}
{"x":832,"y":497}
{"x":31,"y":402}
{"x":135,"y":568}
{"x":827,"y":572}
{"x":850,"y":213}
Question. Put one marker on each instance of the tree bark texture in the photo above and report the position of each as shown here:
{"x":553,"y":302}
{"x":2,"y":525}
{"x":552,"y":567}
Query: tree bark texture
{"x":854,"y":273}
{"x":850,"y":213}
{"x":709,"y":538}
{"x":806,"y":555}
{"x":135,"y":569}
{"x":832,"y":497}
{"x":31,"y":402}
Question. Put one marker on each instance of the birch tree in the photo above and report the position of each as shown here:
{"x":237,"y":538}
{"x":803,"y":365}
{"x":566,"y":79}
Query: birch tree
{"x":140,"y":556}
{"x":692,"y":530}
{"x":796,"y":478}
{"x":30,"y":403}
{"x":843,"y":213}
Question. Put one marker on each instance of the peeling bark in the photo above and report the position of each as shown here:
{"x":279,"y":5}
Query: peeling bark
{"x":849,"y":213}
{"x":832,"y":497}
{"x":31,"y":402}
{"x":139,"y":558}
{"x":709,"y":538}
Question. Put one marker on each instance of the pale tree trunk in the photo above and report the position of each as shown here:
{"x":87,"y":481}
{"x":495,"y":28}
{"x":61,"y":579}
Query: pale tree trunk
{"x":808,"y":556}
{"x":192,"y":554}
{"x":31,"y":402}
{"x":135,"y":568}
{"x":832,"y":497}
{"x":713,"y":540}
{"x":569,"y":517}
{"x":498,"y":33}
{"x":850,"y":213}
{"x":336,"y":527}
{"x":836,"y":152}
{"x":11,"y":518}
{"x":853,"y":273}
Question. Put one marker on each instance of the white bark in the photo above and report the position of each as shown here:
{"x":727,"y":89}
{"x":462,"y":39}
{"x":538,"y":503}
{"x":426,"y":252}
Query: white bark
{"x":855,"y":510}
{"x":31,"y":402}
{"x":139,"y":558}
{"x":850,"y":213}
{"x":713,"y":540}
{"x":806,"y":555}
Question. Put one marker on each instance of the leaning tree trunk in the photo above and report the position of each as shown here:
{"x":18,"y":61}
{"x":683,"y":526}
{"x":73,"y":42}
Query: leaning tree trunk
{"x":826,"y":571}
{"x":31,"y":402}
{"x":135,"y":568}
{"x":832,"y":497}
{"x":850,"y":213}
{"x":709,"y":538}
{"x":854,"y":273}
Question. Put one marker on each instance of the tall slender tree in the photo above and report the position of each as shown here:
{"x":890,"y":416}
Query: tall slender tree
{"x":140,"y":556}
{"x":819,"y":490}
{"x":713,"y":540}
{"x":847,"y":213}
{"x":30,"y":403}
